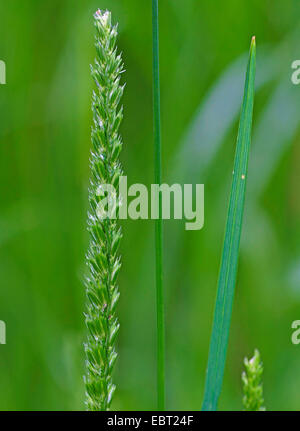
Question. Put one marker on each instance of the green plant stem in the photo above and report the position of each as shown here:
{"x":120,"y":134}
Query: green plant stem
{"x":158,"y":222}
{"x":229,"y":261}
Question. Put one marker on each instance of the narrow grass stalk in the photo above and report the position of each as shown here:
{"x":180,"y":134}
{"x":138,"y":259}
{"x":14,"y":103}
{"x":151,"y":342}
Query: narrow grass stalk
{"x":102,"y":258}
{"x":229,"y":261}
{"x":252,"y":384}
{"x":158,"y":222}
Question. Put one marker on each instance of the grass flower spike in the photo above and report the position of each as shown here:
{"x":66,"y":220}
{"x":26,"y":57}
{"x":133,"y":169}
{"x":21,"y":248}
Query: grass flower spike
{"x":253,"y":389}
{"x":102,"y":258}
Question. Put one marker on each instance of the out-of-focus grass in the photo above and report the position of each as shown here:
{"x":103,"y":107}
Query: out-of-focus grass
{"x":44,"y":151}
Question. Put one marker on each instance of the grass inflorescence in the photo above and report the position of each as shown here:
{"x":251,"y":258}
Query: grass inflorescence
{"x":102,"y":258}
{"x":252,"y":383}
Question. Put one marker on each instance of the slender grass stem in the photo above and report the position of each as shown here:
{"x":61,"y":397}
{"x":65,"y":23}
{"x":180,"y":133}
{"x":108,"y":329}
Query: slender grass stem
{"x":158,"y":223}
{"x":229,"y":261}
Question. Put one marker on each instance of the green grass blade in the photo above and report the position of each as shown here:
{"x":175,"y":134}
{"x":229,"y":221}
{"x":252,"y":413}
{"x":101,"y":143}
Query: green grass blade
{"x":229,"y":262}
{"x":158,"y":222}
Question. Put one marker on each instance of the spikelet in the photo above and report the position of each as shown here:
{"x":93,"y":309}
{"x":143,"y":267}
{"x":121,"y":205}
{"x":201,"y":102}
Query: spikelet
{"x":252,"y":385}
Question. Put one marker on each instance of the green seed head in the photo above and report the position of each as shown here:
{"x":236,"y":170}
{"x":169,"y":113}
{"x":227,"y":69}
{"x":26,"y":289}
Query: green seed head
{"x":102,"y":257}
{"x":252,"y":384}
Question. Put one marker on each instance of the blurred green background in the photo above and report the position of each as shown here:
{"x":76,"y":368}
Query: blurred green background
{"x":45,"y":141}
